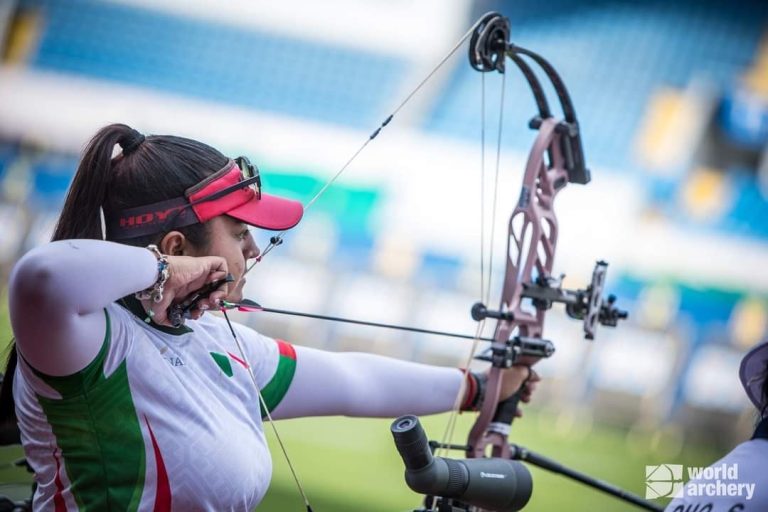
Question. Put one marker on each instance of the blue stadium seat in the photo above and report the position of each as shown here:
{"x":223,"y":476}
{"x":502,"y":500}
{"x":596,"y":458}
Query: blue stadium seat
{"x":744,"y":118}
{"x":439,"y":269}
{"x":51,"y":177}
{"x":216,"y":62}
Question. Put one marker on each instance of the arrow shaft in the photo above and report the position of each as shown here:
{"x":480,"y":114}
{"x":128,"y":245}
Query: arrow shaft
{"x":371,"y":324}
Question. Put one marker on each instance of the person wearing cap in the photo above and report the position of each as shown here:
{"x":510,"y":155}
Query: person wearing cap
{"x":739,"y":481}
{"x":129,"y":397}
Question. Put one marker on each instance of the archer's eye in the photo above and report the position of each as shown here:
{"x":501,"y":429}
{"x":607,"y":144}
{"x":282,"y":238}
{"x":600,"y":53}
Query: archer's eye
{"x":243,"y":234}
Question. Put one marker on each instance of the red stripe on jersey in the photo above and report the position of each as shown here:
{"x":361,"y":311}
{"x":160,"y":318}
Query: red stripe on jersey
{"x":163,"y":491}
{"x":286,"y":349}
{"x":58,"y":498}
{"x":233,"y":356}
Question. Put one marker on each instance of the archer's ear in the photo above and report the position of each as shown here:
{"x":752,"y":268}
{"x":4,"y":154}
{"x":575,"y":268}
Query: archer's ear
{"x":174,"y":244}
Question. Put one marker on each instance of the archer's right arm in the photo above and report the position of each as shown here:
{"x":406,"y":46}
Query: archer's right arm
{"x":58,"y":293}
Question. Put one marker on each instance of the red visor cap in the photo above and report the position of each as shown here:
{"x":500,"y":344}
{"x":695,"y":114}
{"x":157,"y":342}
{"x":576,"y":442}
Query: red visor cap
{"x":267,"y":212}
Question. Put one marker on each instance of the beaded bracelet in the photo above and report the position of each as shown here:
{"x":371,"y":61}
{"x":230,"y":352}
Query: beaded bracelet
{"x":155,"y":292}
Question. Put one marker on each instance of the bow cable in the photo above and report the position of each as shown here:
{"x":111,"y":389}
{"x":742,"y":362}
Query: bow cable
{"x":495,"y":189}
{"x":482,"y":185}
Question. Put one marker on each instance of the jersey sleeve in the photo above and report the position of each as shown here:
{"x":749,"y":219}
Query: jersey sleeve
{"x":273,"y":362}
{"x":115,"y":345}
{"x":366,"y":385}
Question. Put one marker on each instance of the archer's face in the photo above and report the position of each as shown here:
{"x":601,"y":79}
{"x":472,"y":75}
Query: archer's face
{"x":232,"y":240}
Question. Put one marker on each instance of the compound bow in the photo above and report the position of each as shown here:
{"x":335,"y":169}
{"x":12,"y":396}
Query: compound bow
{"x":555,"y":159}
{"x":529,"y":289}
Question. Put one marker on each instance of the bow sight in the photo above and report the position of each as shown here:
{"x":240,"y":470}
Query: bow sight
{"x":587,"y":304}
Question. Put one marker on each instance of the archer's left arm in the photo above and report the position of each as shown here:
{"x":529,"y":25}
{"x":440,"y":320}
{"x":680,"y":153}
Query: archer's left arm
{"x":367,"y":385}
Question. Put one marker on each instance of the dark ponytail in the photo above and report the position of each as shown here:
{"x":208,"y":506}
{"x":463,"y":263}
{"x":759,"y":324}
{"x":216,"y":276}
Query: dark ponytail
{"x":146,"y":170}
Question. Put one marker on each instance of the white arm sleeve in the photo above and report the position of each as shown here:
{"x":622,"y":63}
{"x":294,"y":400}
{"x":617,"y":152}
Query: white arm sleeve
{"x":357,"y":384}
{"x":57,"y":293}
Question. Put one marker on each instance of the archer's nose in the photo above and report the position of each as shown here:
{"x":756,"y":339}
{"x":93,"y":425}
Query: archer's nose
{"x":251,"y":250}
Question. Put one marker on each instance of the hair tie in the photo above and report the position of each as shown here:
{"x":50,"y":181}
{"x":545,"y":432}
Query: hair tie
{"x":134,"y":141}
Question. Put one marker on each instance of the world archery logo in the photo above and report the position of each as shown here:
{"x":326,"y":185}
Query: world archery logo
{"x":666,"y":481}
{"x":663,"y":481}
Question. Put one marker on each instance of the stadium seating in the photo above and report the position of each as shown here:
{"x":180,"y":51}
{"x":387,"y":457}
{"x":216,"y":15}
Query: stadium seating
{"x":216,"y":62}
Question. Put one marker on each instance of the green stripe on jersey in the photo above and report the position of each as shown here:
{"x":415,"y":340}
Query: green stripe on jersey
{"x":223,"y":362}
{"x":104,"y":458}
{"x":277,"y":387}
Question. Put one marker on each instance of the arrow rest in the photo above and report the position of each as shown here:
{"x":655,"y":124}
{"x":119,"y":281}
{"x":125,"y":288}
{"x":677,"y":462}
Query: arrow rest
{"x":517,"y":347}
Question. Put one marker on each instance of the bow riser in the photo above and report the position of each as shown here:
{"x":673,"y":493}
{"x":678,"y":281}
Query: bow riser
{"x":527,"y":242}
{"x":533,"y":224}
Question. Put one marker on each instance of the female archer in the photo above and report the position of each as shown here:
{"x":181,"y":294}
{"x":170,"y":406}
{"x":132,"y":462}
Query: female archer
{"x":129,"y":397}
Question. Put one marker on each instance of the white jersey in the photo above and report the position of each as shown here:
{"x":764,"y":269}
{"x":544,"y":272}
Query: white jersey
{"x":189,"y":435}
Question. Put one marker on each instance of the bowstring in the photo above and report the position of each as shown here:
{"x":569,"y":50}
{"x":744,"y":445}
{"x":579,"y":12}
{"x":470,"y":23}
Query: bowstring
{"x":485,"y":286}
{"x":450,"y":426}
{"x":276,"y":240}
{"x":264,"y":406}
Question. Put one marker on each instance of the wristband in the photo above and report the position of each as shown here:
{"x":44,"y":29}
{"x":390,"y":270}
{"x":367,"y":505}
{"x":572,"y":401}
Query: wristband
{"x":476,"y":385}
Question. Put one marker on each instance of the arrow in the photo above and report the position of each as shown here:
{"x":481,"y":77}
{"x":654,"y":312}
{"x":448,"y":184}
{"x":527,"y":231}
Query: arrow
{"x":251,"y":306}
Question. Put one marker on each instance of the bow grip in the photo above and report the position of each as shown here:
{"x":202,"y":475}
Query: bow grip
{"x":505,"y":415}
{"x":505,"y":411}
